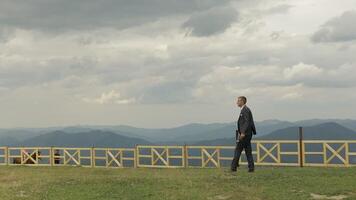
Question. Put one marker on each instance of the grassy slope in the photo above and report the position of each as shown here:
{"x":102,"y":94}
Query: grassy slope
{"x":85,"y":183}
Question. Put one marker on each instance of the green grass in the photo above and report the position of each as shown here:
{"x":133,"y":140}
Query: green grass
{"x":85,"y":183}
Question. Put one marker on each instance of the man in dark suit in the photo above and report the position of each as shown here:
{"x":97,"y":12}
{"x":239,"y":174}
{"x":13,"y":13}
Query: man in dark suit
{"x":245,"y":129}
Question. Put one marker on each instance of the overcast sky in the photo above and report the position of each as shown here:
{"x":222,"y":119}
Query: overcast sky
{"x":164,"y":63}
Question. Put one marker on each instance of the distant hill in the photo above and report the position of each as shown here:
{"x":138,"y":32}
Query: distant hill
{"x":195,"y":132}
{"x":8,"y":141}
{"x":348,"y":123}
{"x":15,"y":135}
{"x":325,"y":131}
{"x":178,"y":134}
{"x":185,"y":134}
{"x":201,"y":131}
{"x":96,"y":138}
{"x":228,"y":130}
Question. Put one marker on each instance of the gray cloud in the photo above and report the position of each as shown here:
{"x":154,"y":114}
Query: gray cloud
{"x":59,"y":15}
{"x":168,"y":92}
{"x":211,"y":22}
{"x":277,"y":9}
{"x":282,"y":8}
{"x":106,"y":56}
{"x":25,"y":73}
{"x":5,"y":34}
{"x":337,"y":29}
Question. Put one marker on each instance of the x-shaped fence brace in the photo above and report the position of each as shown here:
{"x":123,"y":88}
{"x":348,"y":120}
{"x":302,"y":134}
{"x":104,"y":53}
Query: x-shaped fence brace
{"x":71,"y":156}
{"x":268,"y":152}
{"x":159,"y":156}
{"x":114,"y":158}
{"x":28,"y":156}
{"x":210,"y":157}
{"x":335,"y":153}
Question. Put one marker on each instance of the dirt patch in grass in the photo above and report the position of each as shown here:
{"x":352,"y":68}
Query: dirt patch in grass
{"x":335,"y":197}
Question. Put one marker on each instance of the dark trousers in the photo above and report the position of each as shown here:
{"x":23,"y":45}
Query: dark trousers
{"x":244,"y":144}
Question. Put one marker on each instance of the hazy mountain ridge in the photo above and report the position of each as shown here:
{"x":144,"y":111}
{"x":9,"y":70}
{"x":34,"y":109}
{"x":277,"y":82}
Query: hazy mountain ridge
{"x":195,"y":133}
{"x":325,"y":131}
{"x":93,"y":138}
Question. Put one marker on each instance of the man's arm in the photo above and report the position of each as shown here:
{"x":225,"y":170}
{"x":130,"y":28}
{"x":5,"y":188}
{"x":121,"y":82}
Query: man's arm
{"x":253,"y":125}
{"x":245,"y":122}
{"x":237,"y":137}
{"x":254,"y":128}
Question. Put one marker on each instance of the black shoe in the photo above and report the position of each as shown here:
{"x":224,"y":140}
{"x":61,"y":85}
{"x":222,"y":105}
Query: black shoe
{"x":233,"y":170}
{"x":251,"y":170}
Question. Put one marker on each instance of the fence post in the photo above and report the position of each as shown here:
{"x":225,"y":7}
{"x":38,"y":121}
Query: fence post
{"x":51,"y":156}
{"x":185,"y":160}
{"x":258,"y":152}
{"x":218,"y":157}
{"x":21,"y":154}
{"x":6,"y":155}
{"x":347,"y":158}
{"x":135,"y":156}
{"x":301,"y":153}
{"x":92,"y":156}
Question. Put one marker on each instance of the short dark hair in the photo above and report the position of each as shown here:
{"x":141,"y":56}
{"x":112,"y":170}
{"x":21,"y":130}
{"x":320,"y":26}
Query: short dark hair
{"x":243,"y":98}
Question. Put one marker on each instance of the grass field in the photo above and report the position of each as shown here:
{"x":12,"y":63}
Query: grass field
{"x":266,"y":183}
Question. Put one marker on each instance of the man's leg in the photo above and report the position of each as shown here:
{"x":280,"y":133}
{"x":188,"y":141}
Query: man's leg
{"x":237,"y":154}
{"x":248,"y":151}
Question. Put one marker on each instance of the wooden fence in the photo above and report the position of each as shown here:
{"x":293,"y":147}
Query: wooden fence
{"x":266,"y":152}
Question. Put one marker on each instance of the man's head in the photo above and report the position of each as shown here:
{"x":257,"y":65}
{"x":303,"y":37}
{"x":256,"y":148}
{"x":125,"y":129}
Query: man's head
{"x":241,"y":100}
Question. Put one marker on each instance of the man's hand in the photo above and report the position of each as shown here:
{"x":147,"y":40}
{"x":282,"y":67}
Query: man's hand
{"x":242,"y":135}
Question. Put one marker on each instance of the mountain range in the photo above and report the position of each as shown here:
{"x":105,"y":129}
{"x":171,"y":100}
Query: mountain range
{"x":195,"y":133}
{"x":92,"y":138}
{"x":324,"y":131}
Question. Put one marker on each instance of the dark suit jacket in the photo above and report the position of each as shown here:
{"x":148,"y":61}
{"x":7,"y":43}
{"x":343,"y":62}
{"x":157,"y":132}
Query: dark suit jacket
{"x":245,"y":123}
